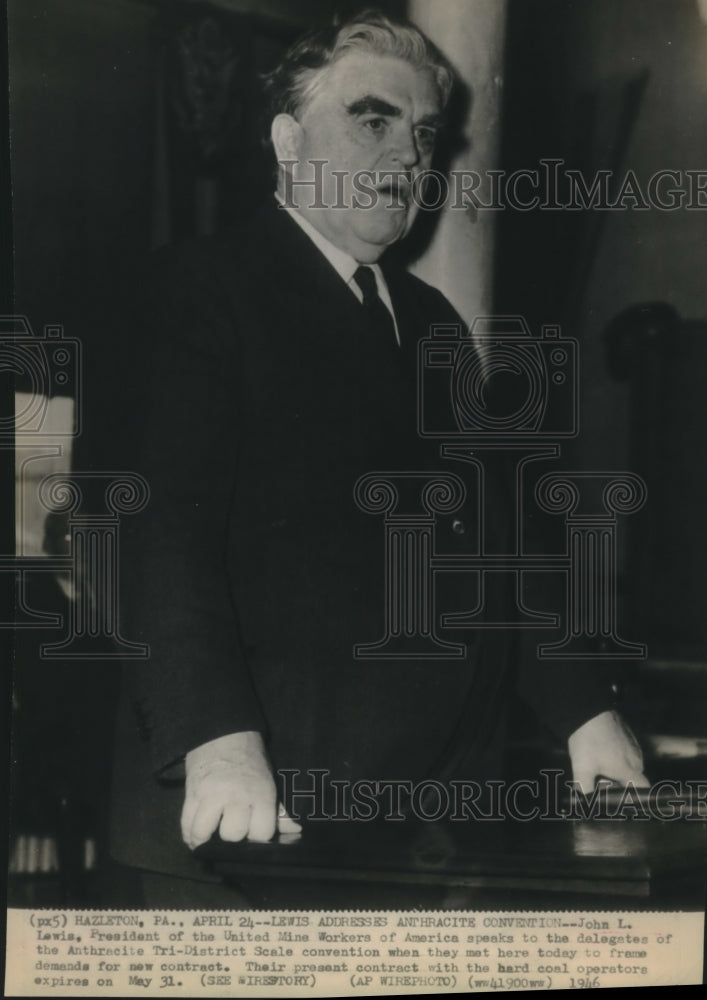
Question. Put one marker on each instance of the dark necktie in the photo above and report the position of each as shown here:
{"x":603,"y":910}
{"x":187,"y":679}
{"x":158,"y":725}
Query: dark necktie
{"x":378,"y":318}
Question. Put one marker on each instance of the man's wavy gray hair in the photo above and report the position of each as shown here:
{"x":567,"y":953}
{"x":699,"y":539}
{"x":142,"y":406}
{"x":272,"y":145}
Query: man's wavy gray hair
{"x":292,"y":86}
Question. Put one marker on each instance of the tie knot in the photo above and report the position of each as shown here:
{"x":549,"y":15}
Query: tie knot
{"x":366,"y":281}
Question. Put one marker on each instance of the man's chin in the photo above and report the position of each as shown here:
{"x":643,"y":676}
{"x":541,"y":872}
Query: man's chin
{"x":382,"y":232}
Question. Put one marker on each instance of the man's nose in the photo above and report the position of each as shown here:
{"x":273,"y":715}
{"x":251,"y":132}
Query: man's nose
{"x":405,"y":149}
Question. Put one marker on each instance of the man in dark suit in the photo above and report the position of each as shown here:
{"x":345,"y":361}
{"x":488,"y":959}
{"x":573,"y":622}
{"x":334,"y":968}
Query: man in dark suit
{"x":272,"y":368}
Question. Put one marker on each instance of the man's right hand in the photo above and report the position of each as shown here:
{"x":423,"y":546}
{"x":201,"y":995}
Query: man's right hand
{"x":229,"y":786}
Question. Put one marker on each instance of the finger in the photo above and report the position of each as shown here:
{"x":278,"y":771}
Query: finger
{"x":630,"y":737}
{"x":629,"y":776}
{"x":584,"y":781}
{"x":285,"y":823}
{"x":632,"y":753}
{"x":205,"y":821}
{"x":288,"y":838}
{"x":189,"y":808}
{"x":235,"y":822}
{"x":632,"y":758}
{"x":262,"y":819}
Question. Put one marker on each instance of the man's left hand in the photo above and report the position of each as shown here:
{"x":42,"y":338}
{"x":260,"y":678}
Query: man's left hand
{"x":606,"y":748}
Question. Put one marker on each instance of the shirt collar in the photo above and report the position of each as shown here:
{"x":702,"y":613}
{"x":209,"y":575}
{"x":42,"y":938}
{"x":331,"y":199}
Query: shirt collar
{"x":343,"y":263}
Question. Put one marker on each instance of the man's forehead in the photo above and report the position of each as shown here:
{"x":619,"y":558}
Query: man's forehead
{"x":364,"y":78}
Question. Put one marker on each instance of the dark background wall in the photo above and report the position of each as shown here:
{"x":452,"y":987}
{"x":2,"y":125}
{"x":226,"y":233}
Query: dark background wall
{"x":622,"y":87}
{"x":615,"y":86}
{"x":81,"y":78}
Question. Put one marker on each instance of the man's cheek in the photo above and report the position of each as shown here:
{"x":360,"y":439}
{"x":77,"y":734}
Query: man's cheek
{"x":365,"y":195}
{"x":411,"y":216}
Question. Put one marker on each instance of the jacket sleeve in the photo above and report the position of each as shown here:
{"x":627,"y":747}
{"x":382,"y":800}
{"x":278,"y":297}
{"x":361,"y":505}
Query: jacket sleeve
{"x":563,"y":693}
{"x":180,"y":423}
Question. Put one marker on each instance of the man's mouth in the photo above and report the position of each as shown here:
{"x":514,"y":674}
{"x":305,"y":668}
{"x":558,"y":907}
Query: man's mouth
{"x":395,"y":192}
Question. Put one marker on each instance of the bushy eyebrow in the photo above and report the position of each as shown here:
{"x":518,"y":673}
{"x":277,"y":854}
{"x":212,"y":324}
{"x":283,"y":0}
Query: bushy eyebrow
{"x":430,"y":121}
{"x":372,"y":105}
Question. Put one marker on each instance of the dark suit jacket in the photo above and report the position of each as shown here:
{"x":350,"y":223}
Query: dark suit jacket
{"x":252,"y":399}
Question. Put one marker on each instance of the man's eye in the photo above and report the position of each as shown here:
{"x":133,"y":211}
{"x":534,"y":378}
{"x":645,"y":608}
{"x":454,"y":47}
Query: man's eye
{"x":426,"y":137}
{"x":375,"y":125}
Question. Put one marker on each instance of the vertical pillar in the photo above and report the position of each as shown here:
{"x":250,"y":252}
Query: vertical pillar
{"x":409,"y":622}
{"x":471,"y":33}
{"x":94,"y":622}
{"x":519,"y":616}
{"x":591,"y":630}
{"x":94,"y":545}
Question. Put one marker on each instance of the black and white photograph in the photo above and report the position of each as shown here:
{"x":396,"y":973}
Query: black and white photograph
{"x":359,"y":631}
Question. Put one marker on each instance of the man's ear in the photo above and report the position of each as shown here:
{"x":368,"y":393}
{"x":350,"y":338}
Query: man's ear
{"x":286,"y":135}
